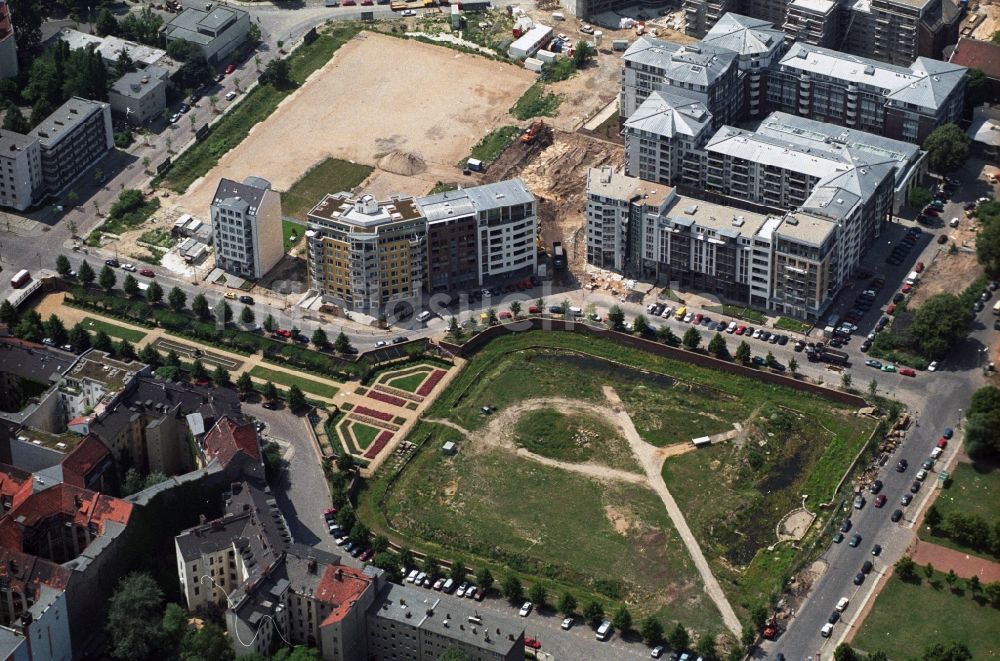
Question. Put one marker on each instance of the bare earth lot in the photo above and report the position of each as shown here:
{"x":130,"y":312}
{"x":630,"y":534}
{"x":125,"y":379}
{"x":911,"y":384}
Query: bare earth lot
{"x":404,"y":106}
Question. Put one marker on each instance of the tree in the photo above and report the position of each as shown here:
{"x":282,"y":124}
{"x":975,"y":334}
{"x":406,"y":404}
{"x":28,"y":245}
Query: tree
{"x":134,"y":618}
{"x":125,"y":350}
{"x":953,"y":652}
{"x":102,"y":342}
{"x":246,"y":315}
{"x":359,"y":532}
{"x":484,"y":577}
{"x":940,"y":323}
{"x":55,"y":330}
{"x":107,"y":279}
{"x":406,"y":557}
{"x":706,"y":647}
{"x":919,"y":198}
{"x":906,"y":569}
{"x":14,"y":121}
{"x":130,"y":286}
{"x":342,"y":344}
{"x":86,"y":273}
{"x":845,"y":652}
{"x":581,"y":54}
{"x":206,"y":643}
{"x":748,"y":636}
{"x":641,"y":326}
{"x":743,"y":353}
{"x":717,"y":345}
{"x":182,"y":50}
{"x":993,"y":594}
{"x":277,"y":74}
{"x":8,"y":313}
{"x":270,"y":325}
{"x":951,"y":578}
{"x":177,"y":299}
{"x":319,"y":338}
{"x":793,"y":366}
{"x":123,"y":65}
{"x":198,"y":371}
{"x":270,"y":392}
{"x":622,"y":619}
{"x":143,"y":26}
{"x":667,"y":336}
{"x":63,"y":267}
{"x":872,"y":389}
{"x":26,"y":19}
{"x":244,"y":384}
{"x":988,"y":246}
{"x":223,"y":312}
{"x":691,"y":339}
{"x":567,"y":604}
{"x":616,"y":318}
{"x":511,"y":588}
{"x":678,"y":638}
{"x":770,"y":360}
{"x":537,"y":595}
{"x":974,"y":585}
{"x":105,"y":24}
{"x":454,"y":330}
{"x":253,"y":34}
{"x":454,"y":654}
{"x":155,"y":292}
{"x":296,"y":398}
{"x":933,"y":517}
{"x":199,"y":305}
{"x":593,"y":613}
{"x":983,"y":419}
{"x":929,"y":570}
{"x":846,"y":380}
{"x":172,"y":359}
{"x":977,"y":89}
{"x":220,"y":376}
{"x":947,"y":148}
{"x":458,"y":571}
{"x":758,"y":615}
{"x":79,"y":339}
{"x":651,"y":631}
{"x":515,"y":308}
{"x":175,"y":619}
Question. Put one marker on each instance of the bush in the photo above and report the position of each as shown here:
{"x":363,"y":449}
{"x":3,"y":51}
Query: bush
{"x":171,"y":320}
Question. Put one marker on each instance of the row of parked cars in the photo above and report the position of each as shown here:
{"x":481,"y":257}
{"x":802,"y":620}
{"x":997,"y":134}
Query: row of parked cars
{"x":681,"y":313}
{"x":447,"y":585}
{"x":359,"y":550}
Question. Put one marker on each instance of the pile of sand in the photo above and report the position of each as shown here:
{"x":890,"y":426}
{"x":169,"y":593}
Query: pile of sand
{"x":401,"y":162}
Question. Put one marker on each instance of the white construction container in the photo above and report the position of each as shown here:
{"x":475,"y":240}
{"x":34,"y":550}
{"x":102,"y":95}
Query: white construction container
{"x":546,"y":56}
{"x":619,"y":45}
{"x":530,"y":42}
{"x":533,"y":64}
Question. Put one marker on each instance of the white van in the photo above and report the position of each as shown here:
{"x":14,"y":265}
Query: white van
{"x":826,"y":630}
{"x":842,"y":604}
{"x":604,"y":631}
{"x":912,"y":277}
{"x":423,"y":316}
{"x":576,"y":312}
{"x":448,"y":586}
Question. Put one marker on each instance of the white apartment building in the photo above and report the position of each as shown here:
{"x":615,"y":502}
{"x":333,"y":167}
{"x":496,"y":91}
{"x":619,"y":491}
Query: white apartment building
{"x":140,"y":96}
{"x":759,"y":46}
{"x":20,"y":170}
{"x":665,"y":139}
{"x":246,"y":226}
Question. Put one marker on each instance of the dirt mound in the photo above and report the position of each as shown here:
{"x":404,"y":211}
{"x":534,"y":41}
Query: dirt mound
{"x":402,"y":162}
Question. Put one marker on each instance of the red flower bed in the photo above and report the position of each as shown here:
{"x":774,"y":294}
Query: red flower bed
{"x":388,"y":399}
{"x":428,"y":385}
{"x":372,"y":413}
{"x":377,"y":446}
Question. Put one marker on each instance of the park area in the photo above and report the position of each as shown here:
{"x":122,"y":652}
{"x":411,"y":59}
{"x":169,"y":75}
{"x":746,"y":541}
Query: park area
{"x":910,"y":616}
{"x":545,"y":482}
{"x":970,"y":508}
{"x":411,"y":110}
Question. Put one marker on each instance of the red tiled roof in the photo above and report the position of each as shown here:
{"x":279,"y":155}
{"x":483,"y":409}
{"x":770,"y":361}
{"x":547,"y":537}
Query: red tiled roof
{"x":227,"y":438}
{"x":976,"y":54}
{"x":84,"y":458}
{"x":26,"y":573}
{"x":14,"y":483}
{"x":340,"y":587}
{"x":80,"y":506}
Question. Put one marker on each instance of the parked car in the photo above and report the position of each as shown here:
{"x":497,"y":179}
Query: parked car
{"x":246,"y":300}
{"x":147,"y":273}
{"x":866,"y":567}
{"x":855,"y":540}
{"x":876,"y":486}
{"x":567,"y":623}
{"x":859,"y":578}
{"x":877,"y":550}
{"x":896,"y":515}
{"x":880,"y":500}
{"x":902,"y":465}
{"x":906,"y":371}
{"x":845,"y":525}
{"x":525,"y":609}
{"x":915,"y":487}
{"x":230,"y":68}
{"x":906,"y":499}
{"x":113,"y":263}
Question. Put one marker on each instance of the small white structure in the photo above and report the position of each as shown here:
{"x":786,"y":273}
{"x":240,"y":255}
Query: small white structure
{"x":532,"y":64}
{"x":702,"y":441}
{"x":546,"y":56}
{"x":530,"y":42}
{"x":449,"y":448}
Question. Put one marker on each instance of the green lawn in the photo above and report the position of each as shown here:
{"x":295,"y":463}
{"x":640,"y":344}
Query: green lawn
{"x":909,"y":617}
{"x":114,"y":330}
{"x":255,"y":106}
{"x":536,"y":102}
{"x":793,"y":325}
{"x":974,"y":490}
{"x":289,"y":229}
{"x":410,"y":382}
{"x":493,"y":144}
{"x":611,"y":539}
{"x":741,"y":312}
{"x":330,"y":176}
{"x":286,"y":379}
{"x":578,"y":438}
{"x":364,"y":434}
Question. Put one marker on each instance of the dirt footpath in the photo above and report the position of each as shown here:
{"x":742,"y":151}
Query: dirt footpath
{"x":413,"y":108}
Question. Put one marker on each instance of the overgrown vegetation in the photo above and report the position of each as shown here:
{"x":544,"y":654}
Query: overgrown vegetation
{"x":493,"y":144}
{"x":130,"y":210}
{"x":330,"y":176}
{"x":536,"y":102}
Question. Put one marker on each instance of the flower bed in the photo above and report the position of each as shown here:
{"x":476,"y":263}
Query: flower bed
{"x":428,"y":385}
{"x":373,"y":422}
{"x":388,"y":399}
{"x":372,"y":413}
{"x":398,"y":392}
{"x":377,"y":446}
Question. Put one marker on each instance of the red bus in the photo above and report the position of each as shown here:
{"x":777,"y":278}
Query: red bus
{"x":20,"y":279}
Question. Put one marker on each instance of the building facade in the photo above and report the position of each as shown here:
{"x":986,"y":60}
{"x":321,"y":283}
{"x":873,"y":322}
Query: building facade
{"x":20,"y":170}
{"x":246,"y":226}
{"x":140,"y":96}
{"x":72,"y":139}
{"x":665,"y":140}
{"x":216,"y":29}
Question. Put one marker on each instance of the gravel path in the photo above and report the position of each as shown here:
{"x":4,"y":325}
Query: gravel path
{"x":652,"y":461}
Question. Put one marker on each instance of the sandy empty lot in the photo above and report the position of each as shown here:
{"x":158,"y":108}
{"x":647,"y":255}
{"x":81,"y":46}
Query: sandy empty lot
{"x":377,"y":96}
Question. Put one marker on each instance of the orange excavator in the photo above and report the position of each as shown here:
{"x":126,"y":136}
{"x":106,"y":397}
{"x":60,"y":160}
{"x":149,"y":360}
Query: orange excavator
{"x":529,"y":136}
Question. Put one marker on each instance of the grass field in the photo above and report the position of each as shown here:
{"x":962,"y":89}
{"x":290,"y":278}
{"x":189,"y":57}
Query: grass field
{"x":286,"y":379}
{"x":410,"y":382}
{"x":753,"y":484}
{"x":793,"y":325}
{"x":255,"y":107}
{"x":364,"y":434}
{"x":536,"y":102}
{"x":611,"y":539}
{"x":493,"y":144}
{"x":114,"y":330}
{"x":974,"y":490}
{"x":578,"y":437}
{"x":331,"y":176}
{"x":290,"y":229}
{"x":909,"y":617}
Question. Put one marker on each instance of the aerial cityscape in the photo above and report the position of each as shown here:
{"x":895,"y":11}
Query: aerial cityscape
{"x":562,"y":330}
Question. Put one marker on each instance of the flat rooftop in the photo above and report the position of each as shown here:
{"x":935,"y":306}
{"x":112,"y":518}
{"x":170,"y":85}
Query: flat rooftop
{"x":365,"y":211}
{"x":607,"y":182}
{"x":66,"y":119}
{"x":726,"y":221}
{"x":805,"y":228}
{"x":98,"y":366}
